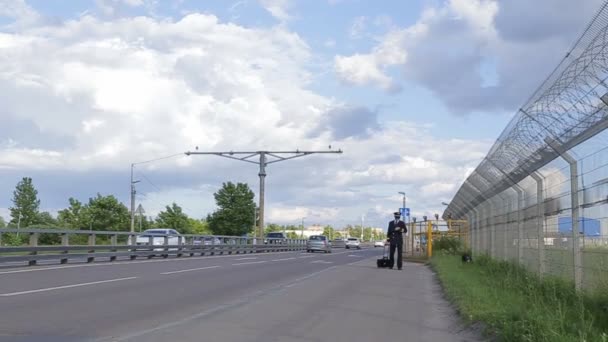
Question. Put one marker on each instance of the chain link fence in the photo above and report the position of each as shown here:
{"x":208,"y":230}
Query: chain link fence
{"x":540,"y":196}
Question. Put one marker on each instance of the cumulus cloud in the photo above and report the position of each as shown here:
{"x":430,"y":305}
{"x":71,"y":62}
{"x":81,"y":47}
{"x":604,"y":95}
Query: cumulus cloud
{"x":88,"y":97}
{"x":454,"y":47}
{"x":19,"y":11}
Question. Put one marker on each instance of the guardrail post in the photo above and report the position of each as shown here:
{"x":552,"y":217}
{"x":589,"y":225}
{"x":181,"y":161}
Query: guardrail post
{"x":180,"y":247}
{"x":113,"y":242}
{"x":91,"y":250}
{"x":131,"y":242}
{"x":33,"y":243}
{"x":65,"y":241}
{"x":165,"y":248}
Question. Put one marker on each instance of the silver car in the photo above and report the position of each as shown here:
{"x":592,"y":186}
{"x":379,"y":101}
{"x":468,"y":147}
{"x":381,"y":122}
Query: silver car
{"x":318,"y":243}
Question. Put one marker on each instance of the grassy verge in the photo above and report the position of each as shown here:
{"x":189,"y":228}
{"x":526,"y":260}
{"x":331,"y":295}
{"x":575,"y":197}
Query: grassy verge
{"x":516,"y":306}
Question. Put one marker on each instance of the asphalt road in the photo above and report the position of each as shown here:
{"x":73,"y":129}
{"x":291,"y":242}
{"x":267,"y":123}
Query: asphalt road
{"x":290,"y":296}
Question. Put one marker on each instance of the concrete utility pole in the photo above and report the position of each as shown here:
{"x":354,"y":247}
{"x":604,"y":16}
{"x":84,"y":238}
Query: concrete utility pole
{"x":133,"y":182}
{"x":277,"y":156}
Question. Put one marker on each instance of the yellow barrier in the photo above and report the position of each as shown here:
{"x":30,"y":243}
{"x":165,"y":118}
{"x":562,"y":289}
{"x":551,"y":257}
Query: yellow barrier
{"x":422,"y":234}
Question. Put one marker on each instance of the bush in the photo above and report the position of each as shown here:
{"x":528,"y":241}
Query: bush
{"x":448,"y":245}
{"x":11,"y":239}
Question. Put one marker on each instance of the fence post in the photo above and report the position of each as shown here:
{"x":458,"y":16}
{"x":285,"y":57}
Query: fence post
{"x":520,"y":226}
{"x":506,"y":229}
{"x":429,"y":239}
{"x":540,"y":217}
{"x":65,"y":241}
{"x":492,"y":226}
{"x":576,"y":247}
{"x":33,"y":243}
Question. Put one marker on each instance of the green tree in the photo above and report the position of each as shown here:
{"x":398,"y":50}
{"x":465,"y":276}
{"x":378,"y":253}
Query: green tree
{"x":199,"y":227}
{"x":367,"y":234}
{"x":46,"y":219}
{"x":293,"y":235}
{"x":2,"y":222}
{"x":328,"y":231}
{"x":143,"y":222}
{"x":272,"y":227}
{"x":236,"y":210}
{"x":73,"y":217}
{"x":353,"y":231}
{"x":106,"y":213}
{"x":25,"y":204}
{"x":337,"y":235}
{"x":174,"y":217}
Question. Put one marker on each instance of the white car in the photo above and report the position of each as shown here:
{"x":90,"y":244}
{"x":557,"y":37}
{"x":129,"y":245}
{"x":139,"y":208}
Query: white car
{"x":157,"y":236}
{"x":379,"y":244}
{"x":353,"y":243}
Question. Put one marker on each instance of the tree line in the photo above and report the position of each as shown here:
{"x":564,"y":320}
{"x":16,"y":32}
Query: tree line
{"x":234,"y":216}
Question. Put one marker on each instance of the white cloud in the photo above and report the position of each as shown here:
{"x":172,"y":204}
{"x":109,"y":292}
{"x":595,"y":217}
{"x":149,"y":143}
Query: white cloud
{"x":134,"y":3}
{"x":20,"y":11}
{"x":132,"y":89}
{"x":277,"y":8}
{"x":361,"y":70}
{"x":456,"y":45}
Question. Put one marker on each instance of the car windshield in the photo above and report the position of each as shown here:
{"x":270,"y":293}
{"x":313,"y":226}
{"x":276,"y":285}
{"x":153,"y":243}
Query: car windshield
{"x":317,"y":238}
{"x":353,"y":239}
{"x":275,"y":235}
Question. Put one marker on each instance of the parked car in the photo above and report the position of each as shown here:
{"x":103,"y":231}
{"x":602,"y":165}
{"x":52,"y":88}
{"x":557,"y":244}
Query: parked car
{"x":157,"y":237}
{"x":353,"y":243}
{"x":379,"y":243}
{"x":275,"y":238}
{"x":318,"y":243}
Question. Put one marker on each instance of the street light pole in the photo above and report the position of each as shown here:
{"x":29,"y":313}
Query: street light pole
{"x":302,"y":234}
{"x":277,"y":156}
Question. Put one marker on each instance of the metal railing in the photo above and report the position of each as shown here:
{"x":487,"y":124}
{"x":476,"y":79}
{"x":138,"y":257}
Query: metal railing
{"x":63,"y":245}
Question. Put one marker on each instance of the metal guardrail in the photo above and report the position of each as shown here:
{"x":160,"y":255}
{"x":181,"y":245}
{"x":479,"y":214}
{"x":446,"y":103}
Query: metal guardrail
{"x":112,"y":248}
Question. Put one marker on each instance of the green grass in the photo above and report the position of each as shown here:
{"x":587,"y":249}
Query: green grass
{"x":515,"y":305}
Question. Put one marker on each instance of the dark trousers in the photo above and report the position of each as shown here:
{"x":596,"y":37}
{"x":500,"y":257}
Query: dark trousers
{"x":399,"y":247}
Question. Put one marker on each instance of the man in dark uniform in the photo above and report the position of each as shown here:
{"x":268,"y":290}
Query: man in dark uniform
{"x":396,"y":229}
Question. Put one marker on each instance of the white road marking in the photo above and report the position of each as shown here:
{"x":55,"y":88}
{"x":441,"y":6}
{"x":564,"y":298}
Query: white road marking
{"x":356,"y":256}
{"x":125,"y":263}
{"x":283,"y":259}
{"x":191,"y":269}
{"x":321,"y":262}
{"x":249,"y":263}
{"x":253,"y":258}
{"x":64,"y":287}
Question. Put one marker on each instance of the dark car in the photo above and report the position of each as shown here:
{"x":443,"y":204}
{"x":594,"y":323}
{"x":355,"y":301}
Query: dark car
{"x":275,"y":238}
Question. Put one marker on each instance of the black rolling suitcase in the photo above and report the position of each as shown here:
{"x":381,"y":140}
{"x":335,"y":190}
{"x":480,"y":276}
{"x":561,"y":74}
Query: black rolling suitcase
{"x":384,"y":262}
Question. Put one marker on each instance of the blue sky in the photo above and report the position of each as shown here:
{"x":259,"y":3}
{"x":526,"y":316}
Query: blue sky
{"x":415,"y":92}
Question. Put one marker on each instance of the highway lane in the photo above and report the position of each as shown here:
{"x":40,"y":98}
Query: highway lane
{"x":87,"y":302}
